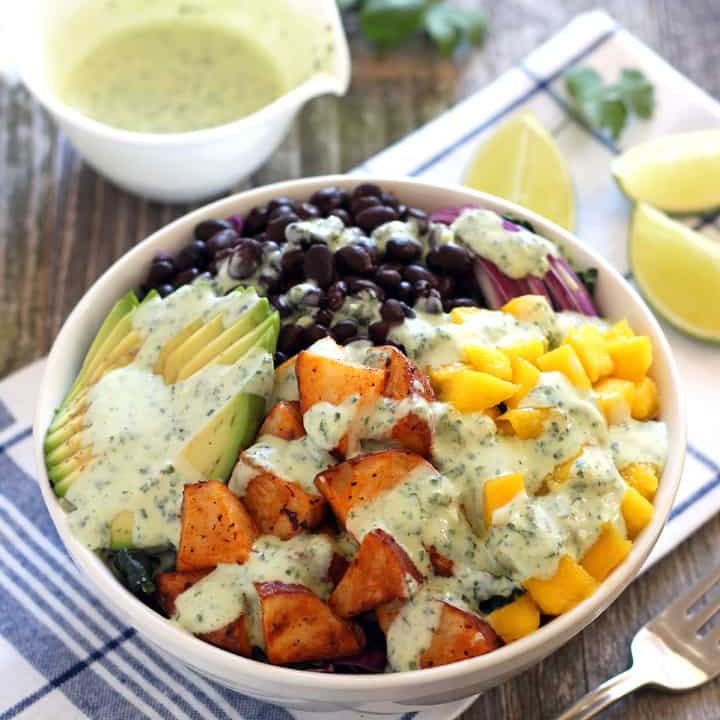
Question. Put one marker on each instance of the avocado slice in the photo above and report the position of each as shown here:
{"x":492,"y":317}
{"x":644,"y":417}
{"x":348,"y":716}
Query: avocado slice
{"x":174,"y":343}
{"x":122,"y":529}
{"x":266,"y":333}
{"x":193,"y":345}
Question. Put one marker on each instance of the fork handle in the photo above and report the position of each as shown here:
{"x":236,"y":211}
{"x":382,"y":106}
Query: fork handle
{"x":606,"y":694}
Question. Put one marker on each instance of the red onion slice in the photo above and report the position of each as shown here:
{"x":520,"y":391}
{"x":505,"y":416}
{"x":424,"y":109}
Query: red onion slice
{"x":566,"y":288}
{"x":447,"y":216}
{"x":497,"y":288}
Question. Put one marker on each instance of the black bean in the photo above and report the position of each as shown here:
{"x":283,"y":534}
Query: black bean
{"x":280,"y":358}
{"x":354,"y":259}
{"x":421,"y":219}
{"x":403,"y":249}
{"x":276,"y":228}
{"x":360,"y":337}
{"x":313,"y":333}
{"x":336,"y":295}
{"x":324,"y":317}
{"x":450,"y":259}
{"x":387,"y":278}
{"x":245,"y":259}
{"x":256,"y":221}
{"x":356,"y":285}
{"x":327,"y":199}
{"x":413,"y":273}
{"x":358,"y":204}
{"x":196,"y":254}
{"x":451,"y":303}
{"x":343,"y":214}
{"x":290,"y":339}
{"x":445,"y":285}
{"x":261,"y":236}
{"x":222,"y":240}
{"x":186,"y":276}
{"x":401,"y":211}
{"x":280,"y":201}
{"x":405,"y":292}
{"x":279,"y":211}
{"x":280,"y":303}
{"x":165,"y":289}
{"x":375,"y":216}
{"x":318,"y":265}
{"x":307,"y":211}
{"x":344,"y":330}
{"x":164,"y":256}
{"x":207,"y":228}
{"x":431,"y":303}
{"x":314,"y":297}
{"x":388,"y":198}
{"x":378,"y":332}
{"x":393,"y":311}
{"x":160,"y":272}
{"x":423,"y":288}
{"x":367,"y":189}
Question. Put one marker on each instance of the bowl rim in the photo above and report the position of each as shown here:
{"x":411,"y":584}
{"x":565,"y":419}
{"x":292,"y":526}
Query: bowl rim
{"x":221,"y":663}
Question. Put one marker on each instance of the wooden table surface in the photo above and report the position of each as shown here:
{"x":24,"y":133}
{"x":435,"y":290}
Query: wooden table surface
{"x":61,"y":225}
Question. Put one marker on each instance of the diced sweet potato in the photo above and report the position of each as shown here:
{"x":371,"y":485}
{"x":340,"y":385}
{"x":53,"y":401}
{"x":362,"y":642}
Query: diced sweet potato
{"x":168,"y":585}
{"x":299,"y":627}
{"x":363,"y":478}
{"x":284,"y":421}
{"x":387,"y":613}
{"x":233,"y":637}
{"x":442,"y":565}
{"x":459,"y":635}
{"x":378,"y":574}
{"x":282,"y":508}
{"x":338,"y":567}
{"x":215,"y":527}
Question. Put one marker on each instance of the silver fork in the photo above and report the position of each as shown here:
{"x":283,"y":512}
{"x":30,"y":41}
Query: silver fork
{"x":671,"y":652}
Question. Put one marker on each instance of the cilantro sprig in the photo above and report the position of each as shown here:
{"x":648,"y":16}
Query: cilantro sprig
{"x":608,"y":106}
{"x":386,"y":23}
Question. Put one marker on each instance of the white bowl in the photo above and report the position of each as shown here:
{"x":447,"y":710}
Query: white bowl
{"x":372,"y":693}
{"x":180,"y":167}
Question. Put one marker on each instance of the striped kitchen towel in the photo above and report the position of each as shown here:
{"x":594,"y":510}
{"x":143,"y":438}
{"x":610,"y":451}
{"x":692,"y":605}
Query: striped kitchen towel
{"x":64,"y":655}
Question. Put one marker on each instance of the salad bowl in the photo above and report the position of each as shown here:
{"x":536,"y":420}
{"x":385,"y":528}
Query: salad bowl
{"x":327,"y":692}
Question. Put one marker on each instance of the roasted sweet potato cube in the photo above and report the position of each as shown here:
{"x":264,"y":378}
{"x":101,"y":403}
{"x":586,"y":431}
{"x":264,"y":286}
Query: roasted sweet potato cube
{"x":168,"y":585}
{"x":282,"y":508}
{"x":233,"y":637}
{"x":299,"y":627}
{"x":442,"y":565}
{"x":215,"y":527}
{"x":387,"y":613}
{"x":364,"y":477}
{"x":379,"y":573}
{"x":338,"y":567}
{"x":459,"y":635}
{"x":284,"y":421}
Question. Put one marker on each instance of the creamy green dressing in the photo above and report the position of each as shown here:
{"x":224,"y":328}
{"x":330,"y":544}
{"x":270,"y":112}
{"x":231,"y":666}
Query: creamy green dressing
{"x":228,"y":591}
{"x":517,"y":253}
{"x":172,"y":76}
{"x":636,"y":441}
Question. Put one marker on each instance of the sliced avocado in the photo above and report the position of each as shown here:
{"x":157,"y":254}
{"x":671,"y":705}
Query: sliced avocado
{"x":58,"y":435}
{"x":240,"y":347}
{"x":191,"y":347}
{"x":78,"y":461}
{"x":66,"y":483}
{"x":122,"y":530}
{"x":244,"y":324}
{"x":174,"y":343}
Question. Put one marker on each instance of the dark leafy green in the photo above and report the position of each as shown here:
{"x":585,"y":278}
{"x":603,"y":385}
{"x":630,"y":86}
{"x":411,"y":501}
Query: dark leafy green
{"x":135,"y":569}
{"x":589,"y":279}
{"x":608,"y":106}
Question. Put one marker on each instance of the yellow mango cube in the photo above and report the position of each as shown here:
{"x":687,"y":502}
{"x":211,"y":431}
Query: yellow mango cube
{"x":499,"y":491}
{"x":564,"y":359}
{"x":637,"y":512}
{"x":459,"y":315}
{"x":524,"y":307}
{"x":516,"y":619}
{"x":606,"y":553}
{"x":615,"y":397}
{"x":440,"y":375}
{"x":525,"y":376}
{"x":561,"y":473}
{"x":529,"y":350}
{"x":472,"y":391}
{"x":591,"y":347}
{"x":525,"y":423}
{"x":489,"y":360}
{"x":632,"y":357}
{"x":645,"y":403}
{"x":643,"y":477}
{"x":620,"y":329}
{"x":570,"y":585}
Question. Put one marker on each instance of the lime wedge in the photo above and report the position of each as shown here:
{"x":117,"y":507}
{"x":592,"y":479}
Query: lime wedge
{"x":676,"y":173}
{"x":678,"y":271}
{"x":521,"y":162}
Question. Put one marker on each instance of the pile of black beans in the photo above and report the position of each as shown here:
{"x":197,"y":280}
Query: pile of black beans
{"x":403,"y":277}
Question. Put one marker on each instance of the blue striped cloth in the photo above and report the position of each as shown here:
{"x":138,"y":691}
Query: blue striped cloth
{"x":64,"y":655}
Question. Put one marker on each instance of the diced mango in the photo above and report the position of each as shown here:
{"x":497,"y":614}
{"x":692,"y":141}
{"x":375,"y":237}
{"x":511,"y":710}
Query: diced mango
{"x":643,"y":477}
{"x":525,"y":423}
{"x":620,"y":329}
{"x":473,"y":391}
{"x":489,"y":360}
{"x":570,"y":584}
{"x":561,"y":473}
{"x":440,"y":375}
{"x":591,"y":347}
{"x":460,"y":314}
{"x":637,"y":512}
{"x":606,"y":553}
{"x":516,"y":619}
{"x":565,"y":360}
{"x":529,"y":350}
{"x":615,"y":397}
{"x":523,"y":307}
{"x":645,"y":403}
{"x":631,"y":357}
{"x":499,"y":491}
{"x":525,"y":376}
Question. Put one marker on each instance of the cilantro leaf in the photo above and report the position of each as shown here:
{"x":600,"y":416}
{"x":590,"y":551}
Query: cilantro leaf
{"x":637,"y":92}
{"x":449,"y":27}
{"x":388,"y":22}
